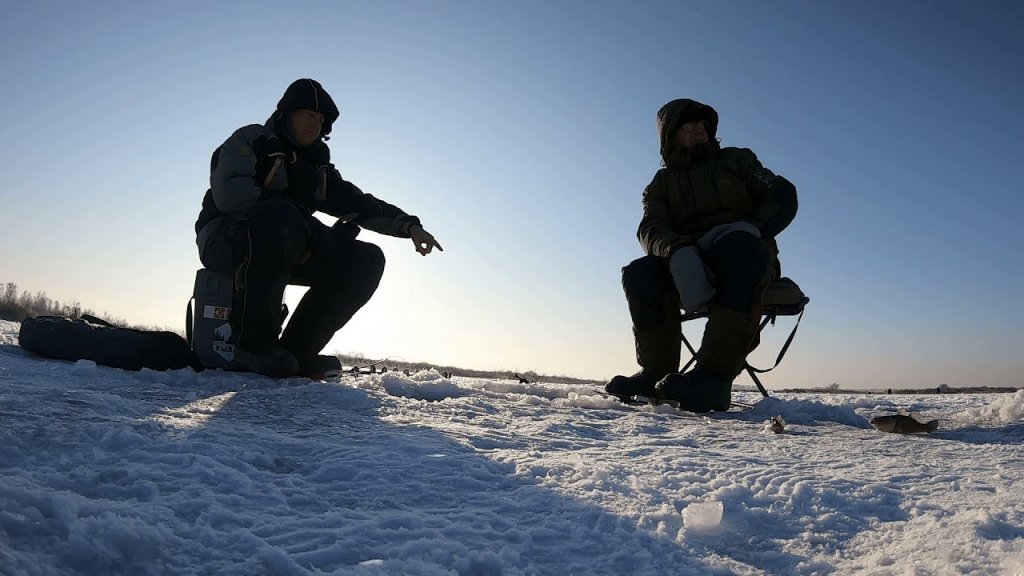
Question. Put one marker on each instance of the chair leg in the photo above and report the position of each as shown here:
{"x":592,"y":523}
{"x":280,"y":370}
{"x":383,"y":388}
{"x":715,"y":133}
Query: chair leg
{"x":693,"y":355}
{"x":753,"y":376}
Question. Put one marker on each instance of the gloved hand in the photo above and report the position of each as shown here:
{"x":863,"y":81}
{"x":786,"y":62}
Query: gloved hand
{"x":691,"y":278}
{"x":271,"y":156}
{"x":305,"y":184}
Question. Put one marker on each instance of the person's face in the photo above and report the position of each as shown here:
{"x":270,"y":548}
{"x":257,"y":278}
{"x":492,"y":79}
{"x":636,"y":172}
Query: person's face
{"x":690,"y":134}
{"x":306,"y":126}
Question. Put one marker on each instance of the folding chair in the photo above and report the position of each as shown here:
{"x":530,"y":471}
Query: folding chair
{"x":773,"y":308}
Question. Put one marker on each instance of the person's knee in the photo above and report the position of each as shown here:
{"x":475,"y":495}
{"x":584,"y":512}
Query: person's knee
{"x":642,"y":273}
{"x":368,"y":269}
{"x":371,"y":260}
{"x":740,"y":247}
{"x":650,"y":293}
{"x":742,"y":266}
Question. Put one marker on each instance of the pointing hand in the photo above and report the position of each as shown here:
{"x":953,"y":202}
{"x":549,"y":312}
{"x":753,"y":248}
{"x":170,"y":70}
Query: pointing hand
{"x":423,"y":241}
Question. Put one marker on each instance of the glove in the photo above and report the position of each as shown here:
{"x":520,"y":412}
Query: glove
{"x":304,"y":184}
{"x":270,"y":157}
{"x":691,"y":278}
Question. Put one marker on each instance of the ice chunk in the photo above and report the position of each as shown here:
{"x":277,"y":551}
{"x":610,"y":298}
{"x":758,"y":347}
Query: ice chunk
{"x":703,"y":515}
{"x":83,"y":367}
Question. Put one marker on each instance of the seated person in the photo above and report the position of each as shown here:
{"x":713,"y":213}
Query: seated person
{"x":710,"y":218}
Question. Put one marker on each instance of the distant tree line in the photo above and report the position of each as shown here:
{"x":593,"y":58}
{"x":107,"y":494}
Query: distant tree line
{"x":15,"y":306}
{"x":834,"y":388}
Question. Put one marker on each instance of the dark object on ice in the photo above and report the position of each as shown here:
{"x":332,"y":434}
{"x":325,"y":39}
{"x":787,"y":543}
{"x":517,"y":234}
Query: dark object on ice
{"x":206,"y":319}
{"x":208,"y":331}
{"x":90,"y":338}
{"x":777,"y":424}
{"x":521,"y":379}
{"x":903,"y":424}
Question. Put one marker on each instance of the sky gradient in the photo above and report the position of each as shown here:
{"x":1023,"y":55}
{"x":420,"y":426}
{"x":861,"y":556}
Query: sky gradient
{"x":522,"y":134}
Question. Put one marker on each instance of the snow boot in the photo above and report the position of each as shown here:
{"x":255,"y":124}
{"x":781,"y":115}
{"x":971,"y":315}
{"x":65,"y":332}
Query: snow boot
{"x":625,"y":387}
{"x":272,"y":361}
{"x":698,"y":390}
{"x":728,"y":337}
{"x":319,"y":367}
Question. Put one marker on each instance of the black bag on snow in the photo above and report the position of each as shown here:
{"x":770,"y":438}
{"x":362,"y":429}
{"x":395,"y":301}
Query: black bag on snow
{"x":90,"y":338}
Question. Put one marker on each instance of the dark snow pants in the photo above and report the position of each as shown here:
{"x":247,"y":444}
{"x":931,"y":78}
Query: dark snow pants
{"x":740,"y":266}
{"x":278,"y":244}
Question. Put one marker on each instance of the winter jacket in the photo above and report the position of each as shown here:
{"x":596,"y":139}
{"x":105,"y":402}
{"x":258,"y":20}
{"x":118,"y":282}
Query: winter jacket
{"x":693,"y":194}
{"x":233,"y":190}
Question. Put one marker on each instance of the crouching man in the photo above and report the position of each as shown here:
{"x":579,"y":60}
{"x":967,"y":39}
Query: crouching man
{"x":257,"y":223}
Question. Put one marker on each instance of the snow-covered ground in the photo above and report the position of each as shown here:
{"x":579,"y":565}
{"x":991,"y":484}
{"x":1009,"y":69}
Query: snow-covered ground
{"x":111,"y":472}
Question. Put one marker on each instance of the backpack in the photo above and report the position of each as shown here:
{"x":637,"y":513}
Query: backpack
{"x":90,"y":338}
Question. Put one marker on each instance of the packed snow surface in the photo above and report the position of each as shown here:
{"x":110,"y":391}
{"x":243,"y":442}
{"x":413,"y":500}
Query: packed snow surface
{"x":104,"y":471}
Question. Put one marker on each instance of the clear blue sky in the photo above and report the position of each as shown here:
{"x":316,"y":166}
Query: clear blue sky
{"x":522,"y":134}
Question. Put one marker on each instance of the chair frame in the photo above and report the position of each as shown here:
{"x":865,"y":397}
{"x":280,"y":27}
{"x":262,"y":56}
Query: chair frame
{"x":768,"y":315}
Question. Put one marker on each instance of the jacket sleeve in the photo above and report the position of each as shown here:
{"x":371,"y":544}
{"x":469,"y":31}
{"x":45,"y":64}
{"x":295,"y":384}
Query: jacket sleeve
{"x":776,"y":196}
{"x":348,"y":203}
{"x":232,"y":171}
{"x":656,"y":233}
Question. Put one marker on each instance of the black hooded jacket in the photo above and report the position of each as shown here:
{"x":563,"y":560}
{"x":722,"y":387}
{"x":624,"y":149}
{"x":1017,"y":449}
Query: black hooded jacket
{"x":696,"y":192}
{"x":234,"y":190}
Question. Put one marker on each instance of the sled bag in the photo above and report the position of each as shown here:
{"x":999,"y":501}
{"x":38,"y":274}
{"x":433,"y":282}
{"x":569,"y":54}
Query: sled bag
{"x":90,"y":338}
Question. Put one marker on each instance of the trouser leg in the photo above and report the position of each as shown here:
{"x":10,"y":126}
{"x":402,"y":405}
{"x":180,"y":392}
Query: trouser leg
{"x":342,"y":274}
{"x":740,"y":264}
{"x":654,"y":308}
{"x":271,"y":239}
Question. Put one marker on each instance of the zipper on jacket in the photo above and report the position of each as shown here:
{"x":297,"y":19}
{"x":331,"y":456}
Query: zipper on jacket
{"x":693,"y":197}
{"x":714,"y":186}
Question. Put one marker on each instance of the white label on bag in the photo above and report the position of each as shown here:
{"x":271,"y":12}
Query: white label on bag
{"x":216,"y":312}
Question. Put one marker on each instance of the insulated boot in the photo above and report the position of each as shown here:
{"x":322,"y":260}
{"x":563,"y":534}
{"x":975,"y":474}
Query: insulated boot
{"x":319,"y":367}
{"x":272,"y":361}
{"x":657,"y":352}
{"x":654,"y":309}
{"x":698,"y":390}
{"x":728,"y":337}
{"x":625,"y":387}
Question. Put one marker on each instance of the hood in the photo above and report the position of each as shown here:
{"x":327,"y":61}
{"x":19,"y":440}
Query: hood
{"x":679,"y":112}
{"x":307,"y":94}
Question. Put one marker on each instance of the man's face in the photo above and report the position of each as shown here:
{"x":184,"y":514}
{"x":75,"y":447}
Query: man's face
{"x":690,"y":134}
{"x":306,"y":126}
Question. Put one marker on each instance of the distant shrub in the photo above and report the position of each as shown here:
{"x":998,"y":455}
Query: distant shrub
{"x":16,"y":307}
